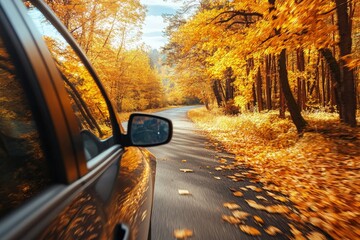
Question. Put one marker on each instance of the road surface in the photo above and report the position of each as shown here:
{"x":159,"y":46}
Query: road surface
{"x":209,"y":189}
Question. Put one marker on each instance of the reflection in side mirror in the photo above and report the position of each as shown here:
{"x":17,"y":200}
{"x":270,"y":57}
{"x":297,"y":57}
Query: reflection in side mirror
{"x":148,"y":130}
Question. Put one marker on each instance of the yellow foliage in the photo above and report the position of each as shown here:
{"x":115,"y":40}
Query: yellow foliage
{"x":318,"y":172}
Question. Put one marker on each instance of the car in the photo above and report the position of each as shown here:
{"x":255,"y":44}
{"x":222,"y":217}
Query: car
{"x":68,"y":168}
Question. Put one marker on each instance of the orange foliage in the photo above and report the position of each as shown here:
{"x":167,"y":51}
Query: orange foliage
{"x":319,"y":172}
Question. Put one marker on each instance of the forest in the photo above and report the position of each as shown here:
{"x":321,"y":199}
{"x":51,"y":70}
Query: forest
{"x":109,"y":33}
{"x":295,"y":55}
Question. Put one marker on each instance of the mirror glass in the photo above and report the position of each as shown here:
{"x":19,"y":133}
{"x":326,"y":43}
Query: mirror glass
{"x":149,"y":130}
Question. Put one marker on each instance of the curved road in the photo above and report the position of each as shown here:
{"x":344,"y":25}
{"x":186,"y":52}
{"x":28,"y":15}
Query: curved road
{"x":202,"y":211}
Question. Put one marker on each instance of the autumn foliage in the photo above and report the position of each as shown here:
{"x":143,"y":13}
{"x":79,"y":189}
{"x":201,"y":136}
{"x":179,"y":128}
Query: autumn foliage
{"x":264,"y":55}
{"x":319,"y":172}
{"x":108,"y":32}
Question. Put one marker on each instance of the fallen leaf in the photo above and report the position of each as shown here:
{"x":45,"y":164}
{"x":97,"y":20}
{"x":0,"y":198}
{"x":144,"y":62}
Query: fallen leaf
{"x":231,"y":219}
{"x":218,"y":168}
{"x":316,"y":236}
{"x":238,"y":194}
{"x":277,"y":209}
{"x":218,"y":178}
{"x":186,"y":170}
{"x":184,"y":192}
{"x":254,"y":188}
{"x":231,"y":206}
{"x":222,"y":161}
{"x":255,"y":205}
{"x":184,"y":161}
{"x":183,"y":233}
{"x":280,"y":198}
{"x":244,"y":189}
{"x":261,"y":198}
{"x":259,"y":220}
{"x":232,"y":189}
{"x":271,"y":230}
{"x":297,"y":234}
{"x":250,"y":230}
{"x":240,"y":214}
{"x":270,"y":194}
{"x":251,"y":187}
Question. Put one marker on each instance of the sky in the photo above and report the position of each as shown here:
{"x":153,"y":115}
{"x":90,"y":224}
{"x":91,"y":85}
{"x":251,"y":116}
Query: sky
{"x":154,"y":25}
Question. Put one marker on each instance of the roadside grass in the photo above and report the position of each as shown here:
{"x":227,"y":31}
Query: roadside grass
{"x":319,"y":172}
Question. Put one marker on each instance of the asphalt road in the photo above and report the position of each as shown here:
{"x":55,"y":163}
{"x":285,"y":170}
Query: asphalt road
{"x":202,"y":210}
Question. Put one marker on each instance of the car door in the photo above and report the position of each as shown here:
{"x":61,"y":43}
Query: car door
{"x":96,"y":189}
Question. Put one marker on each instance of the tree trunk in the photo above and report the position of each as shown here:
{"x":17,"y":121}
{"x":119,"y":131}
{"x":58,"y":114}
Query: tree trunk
{"x":347,"y":76}
{"x":294,"y":109}
{"x":229,"y":78}
{"x":301,"y":93}
{"x":259,"y":90}
{"x":268,"y":82}
{"x":217,"y":92}
{"x":335,"y":77}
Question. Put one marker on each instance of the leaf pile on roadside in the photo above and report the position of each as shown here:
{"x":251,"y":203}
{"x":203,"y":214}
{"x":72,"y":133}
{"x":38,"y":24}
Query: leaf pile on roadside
{"x":318,"y":172}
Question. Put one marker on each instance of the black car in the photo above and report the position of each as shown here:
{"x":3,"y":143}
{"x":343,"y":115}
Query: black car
{"x":68,"y":170}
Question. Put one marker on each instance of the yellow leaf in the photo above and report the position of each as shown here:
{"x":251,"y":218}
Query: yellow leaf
{"x":238,"y":194}
{"x":259,"y":220}
{"x":277,"y":209}
{"x":261,"y":198}
{"x":231,"y":206}
{"x":183,"y":233}
{"x":250,"y":230}
{"x":240,"y":214}
{"x":271,"y":230}
{"x":231,"y":219}
{"x":254,"y":188}
{"x":316,"y":236}
{"x":185,"y":170}
{"x":280,"y":198}
{"x":222,"y":161}
{"x":184,"y":192}
{"x":255,"y":205}
{"x":297,"y":234}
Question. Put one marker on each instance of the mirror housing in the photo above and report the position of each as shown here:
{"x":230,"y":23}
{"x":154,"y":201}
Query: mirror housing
{"x":145,"y":130}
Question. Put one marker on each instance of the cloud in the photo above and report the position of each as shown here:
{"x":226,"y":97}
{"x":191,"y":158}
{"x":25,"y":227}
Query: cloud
{"x":167,"y":3}
{"x":155,"y":42}
{"x":154,"y":24}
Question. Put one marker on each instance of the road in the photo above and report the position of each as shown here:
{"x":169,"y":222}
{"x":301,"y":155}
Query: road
{"x":202,"y":210}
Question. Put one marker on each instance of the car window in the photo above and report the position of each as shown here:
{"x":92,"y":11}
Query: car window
{"x":24,"y":171}
{"x":86,"y":98}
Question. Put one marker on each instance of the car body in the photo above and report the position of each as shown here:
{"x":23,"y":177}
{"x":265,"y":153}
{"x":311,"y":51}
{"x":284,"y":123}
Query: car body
{"x":68,"y":169}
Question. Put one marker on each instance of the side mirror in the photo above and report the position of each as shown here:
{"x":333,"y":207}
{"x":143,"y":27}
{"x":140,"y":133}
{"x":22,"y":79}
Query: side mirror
{"x":146,"y":130}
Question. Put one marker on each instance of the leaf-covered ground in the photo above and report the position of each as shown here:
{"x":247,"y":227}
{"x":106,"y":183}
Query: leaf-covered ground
{"x":319,"y":172}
